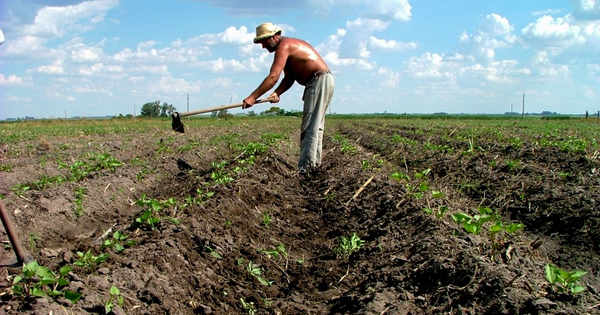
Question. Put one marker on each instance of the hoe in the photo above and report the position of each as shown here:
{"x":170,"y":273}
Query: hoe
{"x":177,"y":124}
{"x":21,"y":255}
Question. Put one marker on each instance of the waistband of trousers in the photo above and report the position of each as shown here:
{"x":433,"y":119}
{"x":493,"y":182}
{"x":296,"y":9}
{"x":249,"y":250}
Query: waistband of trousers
{"x":320,"y":73}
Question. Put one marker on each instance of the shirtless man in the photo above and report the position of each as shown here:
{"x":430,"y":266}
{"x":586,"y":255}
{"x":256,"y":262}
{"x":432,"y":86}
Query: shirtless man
{"x":301,"y":63}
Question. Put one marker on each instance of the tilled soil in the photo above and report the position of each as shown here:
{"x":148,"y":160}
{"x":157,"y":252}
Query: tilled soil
{"x":288,"y":226}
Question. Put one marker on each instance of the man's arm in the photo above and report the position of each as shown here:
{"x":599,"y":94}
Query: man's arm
{"x":285,"y":85}
{"x":269,"y":82}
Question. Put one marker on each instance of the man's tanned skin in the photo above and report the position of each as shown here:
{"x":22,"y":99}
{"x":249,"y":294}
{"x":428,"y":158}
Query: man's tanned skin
{"x":296,"y":58}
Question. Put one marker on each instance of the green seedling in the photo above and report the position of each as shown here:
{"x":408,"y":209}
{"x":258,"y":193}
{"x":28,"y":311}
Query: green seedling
{"x":346,"y":146}
{"x":79,"y":195}
{"x":151,"y":217}
{"x":565,"y":281}
{"x":474,"y":224}
{"x":200,"y":197}
{"x":251,"y":150}
{"x":248,"y":307}
{"x":81,"y":169}
{"x":212,"y":252}
{"x":38,"y":281}
{"x":255,"y":271}
{"x":512,"y":165}
{"x":266,"y":219}
{"x":347,"y":246}
{"x":400,"y":176}
{"x":439,"y":212}
{"x":278,"y":252}
{"x":20,"y":189}
{"x":6,"y":167}
{"x":219,"y":174}
{"x":118,"y":242}
{"x":114,"y":299}
{"x":89,"y":261}
{"x":497,"y":230}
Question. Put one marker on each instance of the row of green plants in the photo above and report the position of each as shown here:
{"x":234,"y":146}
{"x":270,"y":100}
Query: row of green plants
{"x":485,"y":220}
{"x":37,"y":281}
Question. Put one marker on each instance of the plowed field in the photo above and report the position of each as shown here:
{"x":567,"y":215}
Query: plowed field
{"x":218,"y":221}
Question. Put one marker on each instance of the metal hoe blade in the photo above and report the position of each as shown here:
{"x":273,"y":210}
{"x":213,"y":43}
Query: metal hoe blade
{"x":177,"y":124}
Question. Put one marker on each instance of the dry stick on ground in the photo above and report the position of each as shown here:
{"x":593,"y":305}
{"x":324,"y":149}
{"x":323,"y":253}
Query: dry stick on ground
{"x":347,"y":272}
{"x":360,"y":189}
{"x":99,"y":239}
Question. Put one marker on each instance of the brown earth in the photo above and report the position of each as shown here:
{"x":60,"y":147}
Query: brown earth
{"x":411,"y":262}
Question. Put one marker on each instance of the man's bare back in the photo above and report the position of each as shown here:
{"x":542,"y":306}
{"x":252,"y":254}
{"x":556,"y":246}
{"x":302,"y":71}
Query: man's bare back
{"x":302,"y":61}
{"x":296,"y":58}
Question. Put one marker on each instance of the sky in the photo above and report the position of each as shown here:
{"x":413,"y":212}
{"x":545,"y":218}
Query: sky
{"x":67,"y":58}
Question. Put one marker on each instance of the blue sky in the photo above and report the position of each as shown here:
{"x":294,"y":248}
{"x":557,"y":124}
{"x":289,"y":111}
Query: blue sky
{"x":109,"y":57}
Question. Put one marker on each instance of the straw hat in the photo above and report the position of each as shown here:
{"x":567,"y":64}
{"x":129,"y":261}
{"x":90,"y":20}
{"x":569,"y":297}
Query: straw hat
{"x":265,"y":30}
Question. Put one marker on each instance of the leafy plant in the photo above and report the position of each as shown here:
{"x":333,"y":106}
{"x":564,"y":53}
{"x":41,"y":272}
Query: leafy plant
{"x":565,"y":281}
{"x":474,"y":224}
{"x":439,"y":212}
{"x":20,"y":189}
{"x":151,"y":217}
{"x":248,"y":306}
{"x":278,"y":252}
{"x":114,"y":299}
{"x":347,"y":246}
{"x":266,"y":219}
{"x":118,"y":241}
{"x":512,"y":165}
{"x":255,"y":271}
{"x":89,"y":261}
{"x":251,"y":150}
{"x":39,"y":281}
{"x":79,"y":195}
{"x":212,"y":252}
{"x":346,"y":146}
{"x":219,"y":174}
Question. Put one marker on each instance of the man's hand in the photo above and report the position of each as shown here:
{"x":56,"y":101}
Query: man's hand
{"x":248,"y":102}
{"x":274,"y":98}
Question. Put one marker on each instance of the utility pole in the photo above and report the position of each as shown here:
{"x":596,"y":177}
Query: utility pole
{"x":188,"y":104}
{"x":523,"y":107}
{"x":511,"y":108}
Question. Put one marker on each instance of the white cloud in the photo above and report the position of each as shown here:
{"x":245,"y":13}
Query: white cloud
{"x":494,"y":32}
{"x":87,"y":89}
{"x":428,"y":66}
{"x":356,"y":37}
{"x":56,"y":67}
{"x":17,"y":99}
{"x":586,"y":9}
{"x":547,"y":32}
{"x":231,"y":36}
{"x":99,"y":69}
{"x":389,"y":45}
{"x":388,"y":77}
{"x":13,"y":80}
{"x":169,"y":84}
{"x":55,"y":21}
{"x":389,"y":9}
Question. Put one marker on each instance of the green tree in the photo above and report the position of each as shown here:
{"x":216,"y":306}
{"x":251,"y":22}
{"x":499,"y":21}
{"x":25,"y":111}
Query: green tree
{"x":274,"y":111}
{"x":151,"y":109}
{"x":154,"y":109}
{"x":167,"y":109}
